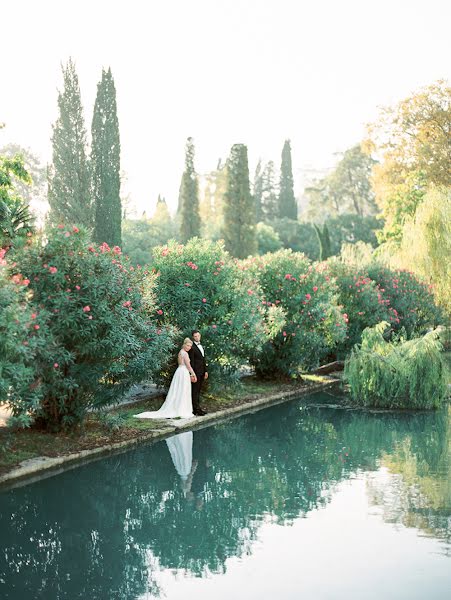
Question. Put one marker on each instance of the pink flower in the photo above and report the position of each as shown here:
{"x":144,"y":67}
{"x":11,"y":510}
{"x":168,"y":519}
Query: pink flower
{"x":33,"y":315}
{"x":36,"y":327}
{"x":60,"y":226}
{"x":315,"y":289}
{"x":90,"y":317}
{"x":308,"y":296}
{"x":160,"y":312}
{"x":77,"y":287}
{"x":53,"y":270}
{"x":204,"y":300}
{"x":86,"y":309}
{"x":67,"y":234}
{"x":117,"y":250}
{"x":288,"y":276}
{"x":75,"y":229}
{"x":158,"y":331}
{"x":214,"y":326}
{"x":127,"y":303}
{"x":25,"y":282}
{"x":284,"y":334}
{"x":56,"y":365}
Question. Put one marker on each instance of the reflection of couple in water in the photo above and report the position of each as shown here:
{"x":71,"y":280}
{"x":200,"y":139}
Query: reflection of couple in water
{"x":192,"y":472}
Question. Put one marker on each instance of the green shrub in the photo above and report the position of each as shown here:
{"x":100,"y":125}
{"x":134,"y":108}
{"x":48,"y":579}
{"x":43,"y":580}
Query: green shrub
{"x":399,"y":374}
{"x":94,"y":309}
{"x":410,"y":299}
{"x":303,"y":320}
{"x":200,"y":287}
{"x":362,"y":300}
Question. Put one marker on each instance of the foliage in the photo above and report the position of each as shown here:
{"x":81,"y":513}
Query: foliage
{"x":93,"y":307}
{"x":257,"y":192}
{"x":363,"y":303}
{"x":426,"y":244}
{"x":409,"y":298}
{"x":239,"y":211}
{"x":189,"y":197}
{"x":287,"y":202}
{"x":324,"y":241}
{"x":267,"y":239}
{"x":16,"y":221}
{"x":413,"y":141}
{"x":211,"y":207}
{"x":299,"y":237}
{"x":140,"y":236}
{"x":105,"y":164}
{"x":347,"y":189}
{"x":20,"y":340}
{"x":199,"y":287}
{"x":302,"y":317}
{"x":69,"y":192}
{"x":350,"y":228}
{"x":399,"y":374}
{"x":269,"y":199}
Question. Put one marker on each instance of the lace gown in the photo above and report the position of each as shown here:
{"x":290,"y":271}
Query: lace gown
{"x":178,"y":401}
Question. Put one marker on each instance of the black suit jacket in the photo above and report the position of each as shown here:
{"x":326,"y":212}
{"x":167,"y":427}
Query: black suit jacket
{"x":197,"y":360}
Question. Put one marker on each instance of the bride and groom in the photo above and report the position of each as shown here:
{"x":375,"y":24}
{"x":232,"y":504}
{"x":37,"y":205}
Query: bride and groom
{"x":182,"y":400}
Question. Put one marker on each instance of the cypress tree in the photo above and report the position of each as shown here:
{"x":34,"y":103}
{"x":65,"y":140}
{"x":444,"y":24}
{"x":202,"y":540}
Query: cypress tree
{"x":188,"y":208}
{"x":270,"y":206}
{"x":239,"y":210}
{"x":258,"y":192}
{"x":287,"y":201}
{"x":105,"y":163}
{"x":324,"y":242}
{"x":68,"y":176}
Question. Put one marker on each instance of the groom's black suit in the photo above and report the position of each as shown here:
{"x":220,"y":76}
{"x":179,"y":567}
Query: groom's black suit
{"x":199,"y":366}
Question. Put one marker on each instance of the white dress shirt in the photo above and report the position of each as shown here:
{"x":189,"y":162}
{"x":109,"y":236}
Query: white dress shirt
{"x":201,"y":348}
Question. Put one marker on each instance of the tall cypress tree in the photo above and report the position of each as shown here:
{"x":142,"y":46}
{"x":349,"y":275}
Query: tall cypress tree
{"x":68,"y":176}
{"x":270,"y":205}
{"x":188,"y":209}
{"x":258,"y":192}
{"x":105,"y":163}
{"x":239,"y":209}
{"x":287,"y":201}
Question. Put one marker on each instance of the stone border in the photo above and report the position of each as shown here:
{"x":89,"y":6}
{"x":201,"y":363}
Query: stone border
{"x":41,"y":467}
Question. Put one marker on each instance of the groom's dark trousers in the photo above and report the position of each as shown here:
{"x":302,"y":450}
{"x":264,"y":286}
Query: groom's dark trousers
{"x":199,"y":367}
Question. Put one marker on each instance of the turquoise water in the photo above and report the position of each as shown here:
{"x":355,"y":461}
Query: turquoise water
{"x":295,"y":501}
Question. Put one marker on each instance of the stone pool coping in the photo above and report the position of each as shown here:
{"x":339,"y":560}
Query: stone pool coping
{"x":41,"y":467}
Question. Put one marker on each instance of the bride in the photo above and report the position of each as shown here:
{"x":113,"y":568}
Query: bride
{"x":178,"y":401}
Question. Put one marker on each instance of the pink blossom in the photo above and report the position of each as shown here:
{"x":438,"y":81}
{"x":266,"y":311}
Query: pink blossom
{"x":25,"y":282}
{"x":77,"y":287}
{"x":315,"y":289}
{"x":67,"y":234}
{"x":165,"y":252}
{"x":33,"y":315}
{"x":288,"y":276}
{"x":160,"y":312}
{"x":36,"y":327}
{"x":214,"y":326}
{"x":284,"y":334}
{"x":308,"y":296}
{"x":53,"y":270}
{"x":158,"y":331}
{"x":117,"y":250}
{"x":127,"y":303}
{"x":204,"y":300}
{"x":86,"y":309}
{"x":56,"y":365}
{"x":75,"y":229}
{"x":90,"y":317}
{"x":60,"y":226}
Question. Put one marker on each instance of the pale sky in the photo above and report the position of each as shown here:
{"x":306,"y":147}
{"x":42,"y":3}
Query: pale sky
{"x":221,"y":71}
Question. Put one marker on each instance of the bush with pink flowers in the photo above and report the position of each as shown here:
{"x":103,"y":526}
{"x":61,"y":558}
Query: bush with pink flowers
{"x":363,"y":302}
{"x":95,"y":311}
{"x":200,"y":287}
{"x":312,"y":323}
{"x":411,"y":299}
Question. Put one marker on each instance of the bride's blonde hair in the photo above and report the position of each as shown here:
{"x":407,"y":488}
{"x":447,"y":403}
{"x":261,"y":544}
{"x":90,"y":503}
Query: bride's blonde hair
{"x":187,"y":341}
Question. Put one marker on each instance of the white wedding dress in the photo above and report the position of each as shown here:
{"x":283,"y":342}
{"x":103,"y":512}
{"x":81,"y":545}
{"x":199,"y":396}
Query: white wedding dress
{"x":178,"y":401}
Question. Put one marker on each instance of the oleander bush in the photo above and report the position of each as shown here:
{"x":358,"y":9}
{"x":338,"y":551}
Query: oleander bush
{"x":363,"y":302}
{"x":308,"y":323}
{"x":199,"y":286}
{"x":412,"y":299}
{"x":95,"y":311}
{"x":396,"y":374}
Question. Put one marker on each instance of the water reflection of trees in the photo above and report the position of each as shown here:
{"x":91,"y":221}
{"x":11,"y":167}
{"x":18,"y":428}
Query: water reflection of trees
{"x":103,"y":530}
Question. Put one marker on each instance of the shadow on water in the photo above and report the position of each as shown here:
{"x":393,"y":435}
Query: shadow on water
{"x":102,"y":531}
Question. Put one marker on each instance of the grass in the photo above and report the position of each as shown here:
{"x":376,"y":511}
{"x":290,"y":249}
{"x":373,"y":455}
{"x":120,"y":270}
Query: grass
{"x":119,"y":424}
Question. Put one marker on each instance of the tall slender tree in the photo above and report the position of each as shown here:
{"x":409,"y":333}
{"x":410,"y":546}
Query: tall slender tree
{"x":270,"y":207}
{"x":68,"y":176}
{"x":188,"y":208}
{"x":239,"y":210}
{"x":287,"y":201}
{"x":258,"y":192}
{"x":105,"y":163}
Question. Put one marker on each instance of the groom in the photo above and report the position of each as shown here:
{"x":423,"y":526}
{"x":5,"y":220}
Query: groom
{"x":197,"y":358}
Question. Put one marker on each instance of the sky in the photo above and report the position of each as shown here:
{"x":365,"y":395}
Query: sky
{"x":221,"y":71}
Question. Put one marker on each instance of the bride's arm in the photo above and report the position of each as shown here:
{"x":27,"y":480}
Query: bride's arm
{"x":187,"y":363}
